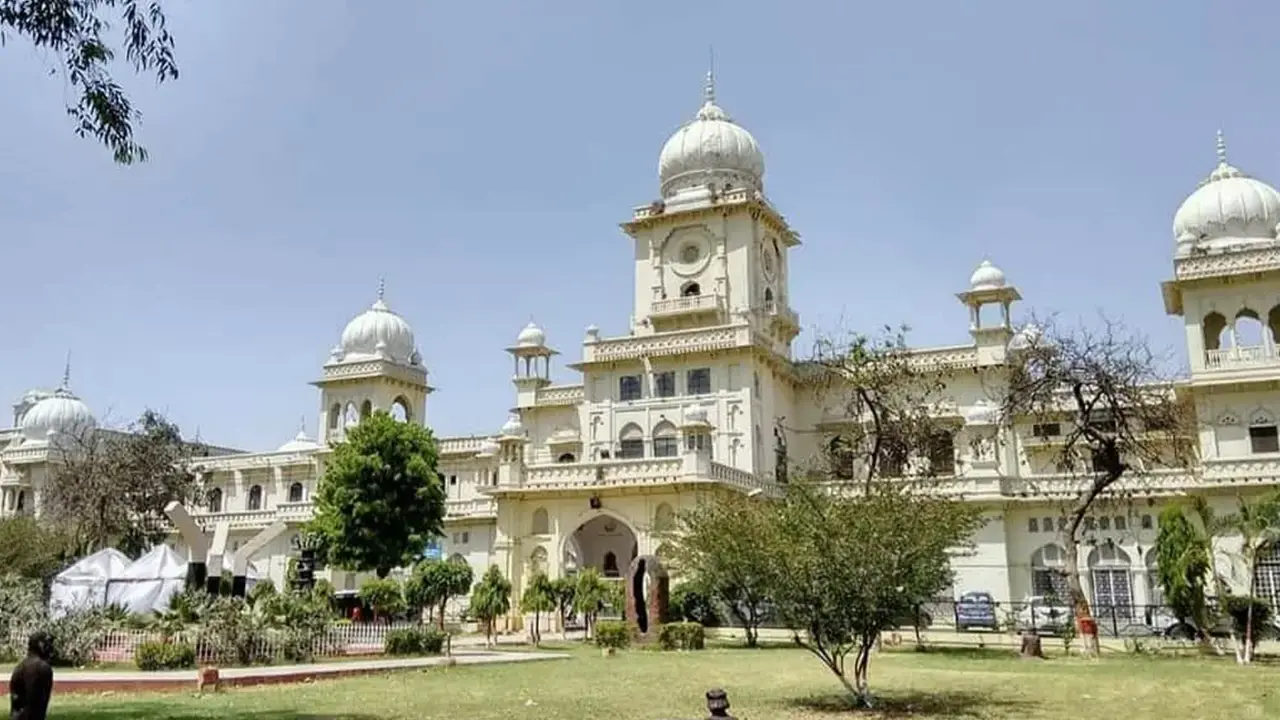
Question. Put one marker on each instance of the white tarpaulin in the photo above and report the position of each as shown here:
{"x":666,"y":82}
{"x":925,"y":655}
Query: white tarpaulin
{"x":84,"y":584}
{"x":147,"y":585}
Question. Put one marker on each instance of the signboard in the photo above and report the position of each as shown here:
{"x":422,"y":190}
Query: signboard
{"x":432,"y":551}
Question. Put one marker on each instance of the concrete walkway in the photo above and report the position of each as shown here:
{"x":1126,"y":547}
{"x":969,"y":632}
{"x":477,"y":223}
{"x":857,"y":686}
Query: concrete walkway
{"x":136,"y":680}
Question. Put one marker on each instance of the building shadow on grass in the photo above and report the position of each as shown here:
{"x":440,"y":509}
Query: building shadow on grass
{"x":158,"y":711}
{"x":951,"y":704}
{"x":961,"y":653}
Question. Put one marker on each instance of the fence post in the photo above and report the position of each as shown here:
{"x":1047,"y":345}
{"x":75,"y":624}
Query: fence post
{"x":1115,"y":628}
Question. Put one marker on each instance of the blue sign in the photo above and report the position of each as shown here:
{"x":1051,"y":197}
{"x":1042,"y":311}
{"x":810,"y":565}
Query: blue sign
{"x":432,"y":551}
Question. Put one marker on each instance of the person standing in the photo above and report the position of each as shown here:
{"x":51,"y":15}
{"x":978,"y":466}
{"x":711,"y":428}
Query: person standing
{"x":31,"y":684}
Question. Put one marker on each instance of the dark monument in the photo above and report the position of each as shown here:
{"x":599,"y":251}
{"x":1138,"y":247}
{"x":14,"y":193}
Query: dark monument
{"x":31,"y":684}
{"x":648,"y":591}
{"x":717,"y":704}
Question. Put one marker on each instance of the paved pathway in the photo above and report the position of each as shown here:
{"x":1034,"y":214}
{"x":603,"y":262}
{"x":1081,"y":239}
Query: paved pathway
{"x":127,"y":680}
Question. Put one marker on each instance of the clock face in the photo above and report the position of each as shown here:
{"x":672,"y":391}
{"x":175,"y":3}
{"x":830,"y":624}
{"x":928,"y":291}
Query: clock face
{"x":686,"y":252}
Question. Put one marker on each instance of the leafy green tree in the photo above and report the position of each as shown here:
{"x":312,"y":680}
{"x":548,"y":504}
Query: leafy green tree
{"x":693,"y":603}
{"x":75,"y":32}
{"x":563,"y":590}
{"x":384,"y":597}
{"x":109,"y":488}
{"x":30,"y":549}
{"x":435,"y":582}
{"x":722,"y":547}
{"x":590,"y":593}
{"x":847,"y":566}
{"x":490,"y":600}
{"x":538,"y":598}
{"x":1183,"y":567}
{"x":380,"y":499}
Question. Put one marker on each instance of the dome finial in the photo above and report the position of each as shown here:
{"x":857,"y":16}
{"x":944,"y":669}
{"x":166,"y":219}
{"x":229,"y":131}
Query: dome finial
{"x":1222,"y":148}
{"x":66,"y":373}
{"x":382,"y":287}
{"x":302,"y":425}
{"x":709,"y":89}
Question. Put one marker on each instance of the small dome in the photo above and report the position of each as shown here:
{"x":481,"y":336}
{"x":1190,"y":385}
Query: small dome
{"x":513,"y":427}
{"x":1228,"y":204}
{"x":59,"y":414}
{"x":710,"y":150}
{"x":986,"y":277}
{"x":299,"y":443}
{"x":531,"y":336}
{"x":377,"y":332}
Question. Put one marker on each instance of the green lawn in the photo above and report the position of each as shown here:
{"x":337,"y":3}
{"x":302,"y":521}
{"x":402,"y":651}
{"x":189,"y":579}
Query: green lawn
{"x":777,"y":683}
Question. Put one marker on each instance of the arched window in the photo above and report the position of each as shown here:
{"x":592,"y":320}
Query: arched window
{"x":610,"y":564}
{"x":335,"y":416}
{"x":541,"y":524}
{"x":1216,"y":335}
{"x":841,"y":458}
{"x":1248,"y":329}
{"x":566,"y":458}
{"x":664,"y":518}
{"x":22,"y":501}
{"x":255,"y":498}
{"x":631,"y":442}
{"x":538,"y":560}
{"x":295,"y":492}
{"x":351,"y":415}
{"x":213,"y":500}
{"x":690,"y":289}
{"x":366,"y":409}
{"x":1111,"y":571}
{"x":1048,"y":578}
{"x":768,"y":298}
{"x":400,"y":409}
{"x":666,"y":442}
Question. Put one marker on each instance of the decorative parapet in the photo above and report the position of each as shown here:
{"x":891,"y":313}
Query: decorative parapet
{"x":473,"y":508}
{"x":468,"y":445}
{"x":256,"y":460}
{"x":1227,"y":261}
{"x":561,"y":395}
{"x":296,"y":513}
{"x":671,"y":343}
{"x":686,"y":305}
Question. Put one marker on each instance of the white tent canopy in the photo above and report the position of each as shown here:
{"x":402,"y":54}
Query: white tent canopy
{"x":147,"y":585}
{"x":84,"y":584}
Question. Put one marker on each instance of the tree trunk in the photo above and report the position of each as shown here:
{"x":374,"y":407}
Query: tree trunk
{"x":1031,"y":646}
{"x":564,"y":625}
{"x":1081,"y":612}
{"x":440,"y":615}
{"x":752,"y":633}
{"x":861,"y":676}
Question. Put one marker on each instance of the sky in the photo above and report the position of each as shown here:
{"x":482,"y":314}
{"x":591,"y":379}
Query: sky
{"x":480,"y":156}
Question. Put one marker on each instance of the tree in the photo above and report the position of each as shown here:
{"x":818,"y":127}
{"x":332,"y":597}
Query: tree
{"x":31,"y":550}
{"x":590,"y":593}
{"x":384,"y":597}
{"x":722,"y":547}
{"x":563,"y":590}
{"x":1118,"y":417}
{"x":109,"y":488}
{"x":435,"y":582}
{"x":886,"y":404}
{"x":539,"y":597}
{"x":73,"y":30}
{"x":1184,"y":568}
{"x":1257,"y":522}
{"x":380,"y":499}
{"x":490,"y":600}
{"x":848,"y":565}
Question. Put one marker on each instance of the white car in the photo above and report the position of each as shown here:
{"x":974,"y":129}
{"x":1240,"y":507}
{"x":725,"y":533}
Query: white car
{"x":1041,"y":614}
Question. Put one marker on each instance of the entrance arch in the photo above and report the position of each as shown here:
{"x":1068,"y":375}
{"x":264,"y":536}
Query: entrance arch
{"x":602,"y":541}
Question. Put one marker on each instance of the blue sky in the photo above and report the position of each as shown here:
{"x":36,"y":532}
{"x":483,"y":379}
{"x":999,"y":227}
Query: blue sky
{"x":480,"y":155}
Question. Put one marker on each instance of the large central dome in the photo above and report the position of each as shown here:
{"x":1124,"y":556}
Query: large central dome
{"x":378,"y":333}
{"x":711,"y":150}
{"x":1228,"y":206}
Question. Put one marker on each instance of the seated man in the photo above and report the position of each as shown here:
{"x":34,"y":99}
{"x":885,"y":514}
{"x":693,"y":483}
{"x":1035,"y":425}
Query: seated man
{"x":31,"y":684}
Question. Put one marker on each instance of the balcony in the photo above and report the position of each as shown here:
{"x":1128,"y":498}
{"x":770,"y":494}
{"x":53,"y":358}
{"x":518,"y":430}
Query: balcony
{"x":691,"y":305}
{"x":471,"y":508}
{"x":1234,"y":358}
{"x":297,"y":512}
{"x":632,"y":473}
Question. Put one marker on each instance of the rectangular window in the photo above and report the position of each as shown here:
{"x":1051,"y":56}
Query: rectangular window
{"x":629,"y":388}
{"x":664,"y":384}
{"x":1047,"y":524}
{"x":453,"y":479}
{"x":1090,"y":524}
{"x":698,"y":382}
{"x":1264,"y":439}
{"x":1145,"y":522}
{"x":666,"y":446}
{"x":942,"y":454}
{"x":1046,"y":430}
{"x":1104,"y":522}
{"x":1120,"y":522}
{"x":1033,"y":525}
{"x":631,"y":449}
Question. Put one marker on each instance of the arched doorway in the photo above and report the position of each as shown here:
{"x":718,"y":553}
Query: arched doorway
{"x":604,"y":543}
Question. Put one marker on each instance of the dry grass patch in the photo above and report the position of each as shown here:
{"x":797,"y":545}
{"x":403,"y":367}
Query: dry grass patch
{"x":781,"y":684}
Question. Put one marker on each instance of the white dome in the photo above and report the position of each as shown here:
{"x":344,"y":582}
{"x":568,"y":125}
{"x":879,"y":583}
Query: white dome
{"x":1228,"y":204}
{"x":710,"y":150}
{"x":299,"y":443}
{"x":60,"y":414}
{"x":531,"y":336}
{"x":986,"y":277}
{"x":513,"y":427}
{"x":378,"y":332}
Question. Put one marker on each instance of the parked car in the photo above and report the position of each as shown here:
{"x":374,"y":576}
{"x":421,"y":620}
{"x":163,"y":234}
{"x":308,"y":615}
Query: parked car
{"x":1043,"y":614}
{"x":976,"y":610}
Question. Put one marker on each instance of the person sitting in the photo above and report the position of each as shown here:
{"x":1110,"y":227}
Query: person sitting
{"x":31,"y":684}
